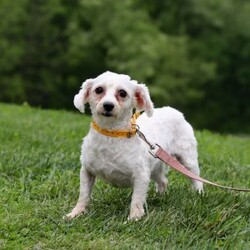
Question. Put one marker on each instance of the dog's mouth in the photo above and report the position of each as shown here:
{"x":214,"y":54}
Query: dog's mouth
{"x":107,"y":114}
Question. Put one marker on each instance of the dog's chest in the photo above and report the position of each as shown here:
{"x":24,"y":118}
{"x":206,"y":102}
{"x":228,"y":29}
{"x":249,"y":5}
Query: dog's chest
{"x":112,"y":159}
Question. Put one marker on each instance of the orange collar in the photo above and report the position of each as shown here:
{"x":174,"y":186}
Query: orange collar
{"x":119,"y":133}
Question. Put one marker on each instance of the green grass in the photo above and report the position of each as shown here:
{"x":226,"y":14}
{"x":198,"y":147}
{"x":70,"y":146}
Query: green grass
{"x":39,"y":182}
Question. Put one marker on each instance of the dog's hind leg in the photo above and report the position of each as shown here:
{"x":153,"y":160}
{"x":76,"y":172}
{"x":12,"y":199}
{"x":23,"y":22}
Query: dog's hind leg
{"x":190,"y":161}
{"x":86,"y":183}
{"x":159,"y":176}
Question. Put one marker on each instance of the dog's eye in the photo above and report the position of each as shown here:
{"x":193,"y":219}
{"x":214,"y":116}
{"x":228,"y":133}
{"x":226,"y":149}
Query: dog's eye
{"x":122,"y":93}
{"x":99,"y":90}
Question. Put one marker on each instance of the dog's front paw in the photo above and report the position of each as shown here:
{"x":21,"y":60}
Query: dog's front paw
{"x":78,"y":210}
{"x":136,"y":212}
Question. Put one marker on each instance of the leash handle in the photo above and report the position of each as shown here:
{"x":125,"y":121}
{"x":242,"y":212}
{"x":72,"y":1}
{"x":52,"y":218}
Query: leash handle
{"x":156,"y":151}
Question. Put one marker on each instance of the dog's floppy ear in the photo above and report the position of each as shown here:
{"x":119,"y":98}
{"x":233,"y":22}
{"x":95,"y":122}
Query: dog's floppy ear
{"x":143,"y":101}
{"x":82,"y":97}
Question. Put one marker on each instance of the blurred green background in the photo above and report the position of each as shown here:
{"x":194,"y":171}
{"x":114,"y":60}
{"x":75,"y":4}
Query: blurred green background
{"x":193,"y":54}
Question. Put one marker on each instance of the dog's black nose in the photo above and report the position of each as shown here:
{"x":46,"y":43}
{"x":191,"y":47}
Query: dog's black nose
{"x":108,"y":106}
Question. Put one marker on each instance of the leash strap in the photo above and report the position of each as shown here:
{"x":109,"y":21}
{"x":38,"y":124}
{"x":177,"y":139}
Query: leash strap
{"x":157,"y":152}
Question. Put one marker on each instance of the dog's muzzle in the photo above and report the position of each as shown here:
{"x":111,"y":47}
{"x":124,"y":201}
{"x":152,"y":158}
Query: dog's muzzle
{"x":108,"y":107}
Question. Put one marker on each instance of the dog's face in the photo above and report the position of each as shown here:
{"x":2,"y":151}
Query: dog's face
{"x":113,"y":95}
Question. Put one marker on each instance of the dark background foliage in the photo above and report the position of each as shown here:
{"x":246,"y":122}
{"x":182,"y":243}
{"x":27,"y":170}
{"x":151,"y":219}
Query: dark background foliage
{"x":193,"y":55}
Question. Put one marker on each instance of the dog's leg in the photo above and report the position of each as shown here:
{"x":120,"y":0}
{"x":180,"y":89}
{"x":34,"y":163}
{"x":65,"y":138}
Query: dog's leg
{"x":140,"y":189}
{"x":160,"y":179}
{"x":86,"y":183}
{"x":190,"y":161}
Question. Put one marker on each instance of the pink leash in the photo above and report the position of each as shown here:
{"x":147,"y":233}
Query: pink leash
{"x":157,"y":152}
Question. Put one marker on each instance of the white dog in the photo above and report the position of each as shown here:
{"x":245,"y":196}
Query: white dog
{"x":126,"y":162}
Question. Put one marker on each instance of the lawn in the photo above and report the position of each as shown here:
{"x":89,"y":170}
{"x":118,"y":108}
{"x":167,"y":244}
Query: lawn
{"x":39,"y":182}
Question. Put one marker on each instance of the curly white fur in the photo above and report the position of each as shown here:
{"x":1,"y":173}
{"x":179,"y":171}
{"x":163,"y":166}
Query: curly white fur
{"x":126,"y":162}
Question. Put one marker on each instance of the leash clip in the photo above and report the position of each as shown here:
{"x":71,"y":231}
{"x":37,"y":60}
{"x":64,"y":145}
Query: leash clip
{"x":153,"y":148}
